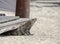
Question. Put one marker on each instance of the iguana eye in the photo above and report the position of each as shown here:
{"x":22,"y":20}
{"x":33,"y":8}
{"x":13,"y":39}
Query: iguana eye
{"x":2,"y":14}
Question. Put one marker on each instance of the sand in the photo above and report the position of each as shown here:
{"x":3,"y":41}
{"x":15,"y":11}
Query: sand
{"x":46,"y":30}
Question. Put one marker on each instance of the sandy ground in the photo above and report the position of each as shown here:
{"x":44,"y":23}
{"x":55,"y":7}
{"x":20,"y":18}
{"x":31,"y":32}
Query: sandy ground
{"x":46,"y":30}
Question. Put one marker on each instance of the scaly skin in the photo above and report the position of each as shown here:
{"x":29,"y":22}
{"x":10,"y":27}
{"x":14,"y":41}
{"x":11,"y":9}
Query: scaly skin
{"x":22,"y":30}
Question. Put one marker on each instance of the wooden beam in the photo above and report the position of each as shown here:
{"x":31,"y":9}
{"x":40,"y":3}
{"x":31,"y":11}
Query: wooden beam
{"x":23,"y":8}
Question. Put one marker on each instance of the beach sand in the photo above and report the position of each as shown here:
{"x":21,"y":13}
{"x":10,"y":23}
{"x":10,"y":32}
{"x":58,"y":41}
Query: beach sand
{"x":46,"y":30}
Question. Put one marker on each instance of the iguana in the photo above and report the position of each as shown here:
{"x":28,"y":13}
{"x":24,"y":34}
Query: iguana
{"x":16,"y":26}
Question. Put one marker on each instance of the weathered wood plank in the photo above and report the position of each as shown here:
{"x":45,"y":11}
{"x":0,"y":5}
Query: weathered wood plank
{"x":4,"y":19}
{"x":20,"y":26}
